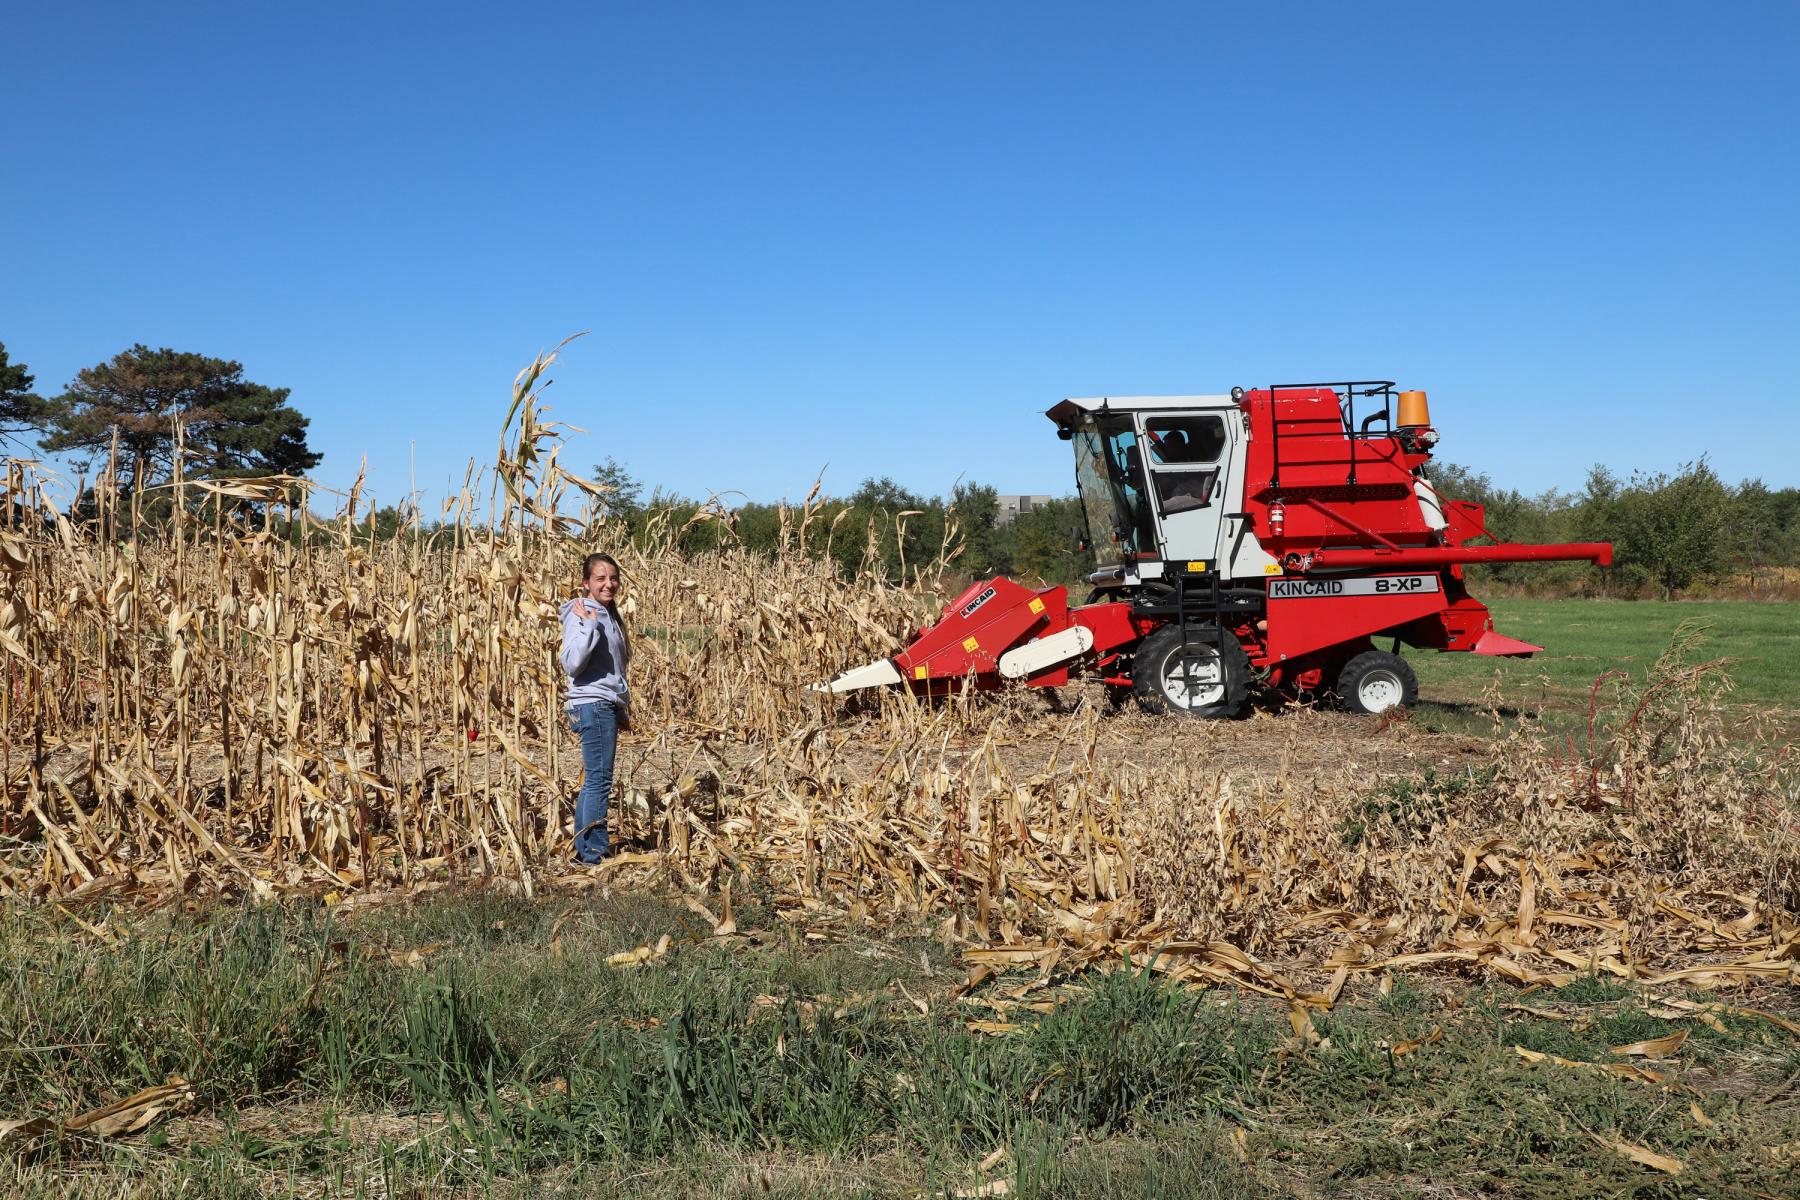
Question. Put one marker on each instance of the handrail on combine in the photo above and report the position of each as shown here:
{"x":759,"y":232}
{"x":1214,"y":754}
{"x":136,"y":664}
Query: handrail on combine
{"x":1347,"y":392}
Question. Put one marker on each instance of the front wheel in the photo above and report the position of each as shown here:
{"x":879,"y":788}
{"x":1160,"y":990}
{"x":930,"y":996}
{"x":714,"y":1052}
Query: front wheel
{"x":1376,"y":681}
{"x":1198,"y":678}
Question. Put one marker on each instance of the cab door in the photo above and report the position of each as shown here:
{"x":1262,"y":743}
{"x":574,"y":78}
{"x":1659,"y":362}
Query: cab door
{"x":1187,"y":456}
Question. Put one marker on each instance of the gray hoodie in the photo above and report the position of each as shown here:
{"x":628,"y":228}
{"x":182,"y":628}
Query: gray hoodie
{"x":594,"y":654}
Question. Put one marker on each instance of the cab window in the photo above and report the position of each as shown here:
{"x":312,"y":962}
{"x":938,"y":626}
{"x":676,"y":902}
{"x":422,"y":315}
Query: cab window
{"x":1178,"y":491}
{"x":1183,"y":441}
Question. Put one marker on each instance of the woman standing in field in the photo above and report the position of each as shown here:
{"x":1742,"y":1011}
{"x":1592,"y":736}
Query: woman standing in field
{"x":594,"y":656}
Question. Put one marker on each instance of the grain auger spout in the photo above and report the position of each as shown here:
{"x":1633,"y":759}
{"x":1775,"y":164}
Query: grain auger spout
{"x":1263,"y":539}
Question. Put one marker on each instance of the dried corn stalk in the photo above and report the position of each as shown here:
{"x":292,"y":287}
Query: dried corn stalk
{"x":255,"y":700}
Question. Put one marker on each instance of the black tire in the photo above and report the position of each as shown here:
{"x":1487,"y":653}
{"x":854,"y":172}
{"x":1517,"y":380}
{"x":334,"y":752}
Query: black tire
{"x":1375,"y":681}
{"x":1159,"y":681}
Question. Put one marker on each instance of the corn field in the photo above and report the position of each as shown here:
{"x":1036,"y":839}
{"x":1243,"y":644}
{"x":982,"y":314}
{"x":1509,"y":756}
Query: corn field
{"x":242,"y":698}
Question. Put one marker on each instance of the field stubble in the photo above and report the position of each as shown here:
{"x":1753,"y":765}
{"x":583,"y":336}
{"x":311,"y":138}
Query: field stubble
{"x":222,"y":708}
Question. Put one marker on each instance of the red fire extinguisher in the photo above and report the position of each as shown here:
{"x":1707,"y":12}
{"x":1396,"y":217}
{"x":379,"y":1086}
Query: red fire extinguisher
{"x":1277,"y":518}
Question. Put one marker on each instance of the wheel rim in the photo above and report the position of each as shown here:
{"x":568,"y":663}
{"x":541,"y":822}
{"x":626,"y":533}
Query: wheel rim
{"x":1193,"y":680}
{"x":1379,"y":690}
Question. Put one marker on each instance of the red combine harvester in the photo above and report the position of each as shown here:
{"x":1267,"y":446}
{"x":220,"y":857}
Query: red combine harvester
{"x":1264,"y":539}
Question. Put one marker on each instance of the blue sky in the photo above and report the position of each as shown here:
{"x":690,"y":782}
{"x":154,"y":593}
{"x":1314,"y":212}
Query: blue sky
{"x":887,"y":237}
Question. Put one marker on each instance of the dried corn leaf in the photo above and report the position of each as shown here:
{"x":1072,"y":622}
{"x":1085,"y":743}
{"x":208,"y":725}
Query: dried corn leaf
{"x":1703,"y":1011}
{"x":643,"y":954}
{"x":1622,"y":1070}
{"x":982,"y":1191}
{"x":556,"y":928}
{"x":1642,"y":1156}
{"x":1660,"y":1047}
{"x":416,"y":956}
{"x":134,"y":1113}
{"x":21,"y":1135}
{"x":1405,"y":1048}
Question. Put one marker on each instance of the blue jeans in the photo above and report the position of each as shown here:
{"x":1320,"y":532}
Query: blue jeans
{"x":596,"y":723}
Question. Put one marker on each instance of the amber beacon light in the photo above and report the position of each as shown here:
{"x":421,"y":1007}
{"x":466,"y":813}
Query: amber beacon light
{"x":1413,"y":409}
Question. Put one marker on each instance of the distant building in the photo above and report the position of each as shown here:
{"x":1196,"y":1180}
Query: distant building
{"x":1012,"y":506}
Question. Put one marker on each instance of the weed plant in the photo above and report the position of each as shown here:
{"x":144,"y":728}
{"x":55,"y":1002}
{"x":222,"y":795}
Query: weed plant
{"x":327,"y":1061}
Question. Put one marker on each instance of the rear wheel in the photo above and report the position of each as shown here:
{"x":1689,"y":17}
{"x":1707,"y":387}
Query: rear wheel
{"x":1376,"y":681}
{"x":1198,"y":678}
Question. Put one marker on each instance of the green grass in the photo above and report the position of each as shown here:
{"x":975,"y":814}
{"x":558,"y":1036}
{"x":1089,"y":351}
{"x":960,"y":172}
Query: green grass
{"x":1584,"y":639}
{"x":515,"y":1061}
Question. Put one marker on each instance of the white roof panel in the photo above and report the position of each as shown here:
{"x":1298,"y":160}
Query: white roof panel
{"x":1134,"y":403}
{"x":1068,"y":413}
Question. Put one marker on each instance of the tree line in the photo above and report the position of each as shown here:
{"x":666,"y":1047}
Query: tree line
{"x":1671,"y":532}
{"x":881,"y":526}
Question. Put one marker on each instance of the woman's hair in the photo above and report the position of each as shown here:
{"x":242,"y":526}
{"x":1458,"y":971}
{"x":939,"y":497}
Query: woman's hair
{"x":587,"y":565}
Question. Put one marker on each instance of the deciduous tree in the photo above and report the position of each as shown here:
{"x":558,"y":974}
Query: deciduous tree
{"x":1673,"y":526}
{"x":626,"y":499}
{"x":978,"y":517}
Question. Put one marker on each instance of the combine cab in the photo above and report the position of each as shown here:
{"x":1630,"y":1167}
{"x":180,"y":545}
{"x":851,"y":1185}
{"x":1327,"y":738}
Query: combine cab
{"x":1261,"y":539}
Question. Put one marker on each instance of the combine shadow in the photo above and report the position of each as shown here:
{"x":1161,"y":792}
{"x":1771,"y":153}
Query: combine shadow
{"x":1470,"y":709}
{"x":1466,"y":717}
